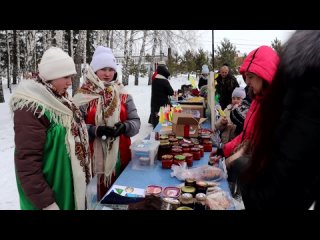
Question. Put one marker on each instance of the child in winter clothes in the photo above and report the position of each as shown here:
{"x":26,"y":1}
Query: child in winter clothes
{"x":111,"y":118}
{"x":224,"y":124}
{"x":204,"y":76}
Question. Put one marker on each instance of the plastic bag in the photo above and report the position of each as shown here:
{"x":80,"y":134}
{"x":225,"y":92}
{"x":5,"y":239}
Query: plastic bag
{"x":219,"y":200}
{"x":205,"y":172}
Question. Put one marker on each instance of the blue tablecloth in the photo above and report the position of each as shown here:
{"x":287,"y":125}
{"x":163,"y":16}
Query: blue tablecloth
{"x":156,"y":175}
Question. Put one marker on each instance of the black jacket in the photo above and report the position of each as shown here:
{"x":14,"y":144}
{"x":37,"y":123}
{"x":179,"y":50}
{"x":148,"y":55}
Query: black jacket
{"x":160,"y":92}
{"x":225,"y":88}
{"x":202,"y":82}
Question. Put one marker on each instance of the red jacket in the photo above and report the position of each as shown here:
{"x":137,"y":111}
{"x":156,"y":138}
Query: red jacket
{"x":263,"y":62}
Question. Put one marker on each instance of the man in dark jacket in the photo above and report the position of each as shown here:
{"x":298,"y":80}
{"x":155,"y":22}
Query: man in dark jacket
{"x":160,"y":92}
{"x":226,"y":83}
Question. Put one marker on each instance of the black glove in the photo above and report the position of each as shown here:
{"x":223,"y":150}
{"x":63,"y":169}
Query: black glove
{"x":220,"y":152}
{"x":120,"y":129}
{"x":105,"y":131}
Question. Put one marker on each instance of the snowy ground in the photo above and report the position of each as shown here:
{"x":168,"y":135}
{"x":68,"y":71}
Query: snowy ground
{"x":9,"y":198}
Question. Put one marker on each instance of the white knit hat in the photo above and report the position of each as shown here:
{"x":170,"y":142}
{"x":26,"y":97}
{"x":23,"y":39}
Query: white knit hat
{"x":205,"y":69}
{"x":102,"y":58}
{"x":55,"y":63}
{"x":239,"y":92}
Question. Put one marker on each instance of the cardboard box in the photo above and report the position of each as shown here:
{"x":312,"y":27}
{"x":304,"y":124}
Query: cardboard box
{"x":196,"y":110}
{"x":186,"y":125}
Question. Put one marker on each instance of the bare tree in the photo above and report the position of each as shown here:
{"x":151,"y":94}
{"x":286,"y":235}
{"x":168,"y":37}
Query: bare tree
{"x":18,"y":55}
{"x":14,"y":58}
{"x":71,"y":43}
{"x":125,"y":70}
{"x":111,"y":39}
{"x":1,"y":91}
{"x":154,"y":47}
{"x":79,"y":58}
{"x":30,"y":49}
{"x":59,"y":38}
{"x":9,"y":64}
{"x":136,"y":79}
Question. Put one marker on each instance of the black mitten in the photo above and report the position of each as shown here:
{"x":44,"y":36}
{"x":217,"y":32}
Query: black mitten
{"x":120,"y":129}
{"x":105,"y":131}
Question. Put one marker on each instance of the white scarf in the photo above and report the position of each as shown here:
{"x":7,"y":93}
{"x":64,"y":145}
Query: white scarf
{"x":105,"y":151}
{"x":32,"y":94}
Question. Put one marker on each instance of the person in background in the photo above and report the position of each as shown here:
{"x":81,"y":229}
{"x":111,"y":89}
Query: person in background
{"x":283,"y":171}
{"x":224,"y":124}
{"x":52,"y":145}
{"x":111,"y":117}
{"x":156,"y":71}
{"x":160,"y":92}
{"x":226,"y":83}
{"x":203,"y":80}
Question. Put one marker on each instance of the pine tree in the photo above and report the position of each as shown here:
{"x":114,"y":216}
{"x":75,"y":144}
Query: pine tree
{"x":276,"y":45}
{"x":226,"y":53}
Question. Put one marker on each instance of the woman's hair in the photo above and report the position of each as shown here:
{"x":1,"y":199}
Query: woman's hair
{"x":299,"y":61}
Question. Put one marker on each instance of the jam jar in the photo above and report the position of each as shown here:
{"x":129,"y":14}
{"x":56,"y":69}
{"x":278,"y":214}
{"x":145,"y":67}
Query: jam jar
{"x":207,"y":146}
{"x":167,"y":161}
{"x":174,"y":141}
{"x":179,"y":159}
{"x":186,"y":200}
{"x":200,"y":203}
{"x":201,"y":149}
{"x":176,"y":151}
{"x":189,"y":159}
{"x":201,"y":187}
{"x":191,"y":182}
{"x":185,"y":148}
{"x":170,"y":203}
{"x":164,"y":148}
{"x":196,"y":153}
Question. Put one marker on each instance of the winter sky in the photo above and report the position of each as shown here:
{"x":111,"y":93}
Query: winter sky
{"x":244,"y":40}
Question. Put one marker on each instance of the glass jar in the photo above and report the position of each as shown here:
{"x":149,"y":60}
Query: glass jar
{"x":170,"y":203}
{"x":200,"y":203}
{"x":163,"y":150}
{"x":196,"y":153}
{"x":186,"y":200}
{"x":167,"y":161}
{"x":176,"y":151}
{"x":207,"y":146}
{"x":174,"y":141}
{"x":191,"y":182}
{"x":189,"y":159}
{"x":179,"y":159}
{"x":201,"y":187}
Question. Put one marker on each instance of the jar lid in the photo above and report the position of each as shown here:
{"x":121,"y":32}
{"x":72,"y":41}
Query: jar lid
{"x":188,"y":189}
{"x":180,"y":157}
{"x":201,"y":197}
{"x":201,"y":183}
{"x":176,"y":150}
{"x":184,"y":208}
{"x":179,"y":137}
{"x":190,"y":180}
{"x":195,"y":149}
{"x":171,"y":200}
{"x":187,"y":154}
{"x":186,"y":196}
{"x":167,"y":156}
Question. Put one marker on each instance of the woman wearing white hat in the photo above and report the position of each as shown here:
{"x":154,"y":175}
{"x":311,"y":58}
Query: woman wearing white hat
{"x":52,"y":144}
{"x":111,"y":118}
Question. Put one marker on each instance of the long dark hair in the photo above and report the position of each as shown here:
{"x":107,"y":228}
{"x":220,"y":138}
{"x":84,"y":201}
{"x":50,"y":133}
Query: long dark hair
{"x":299,"y":60}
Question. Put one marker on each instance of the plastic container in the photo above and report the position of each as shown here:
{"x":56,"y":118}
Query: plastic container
{"x":143,"y":149}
